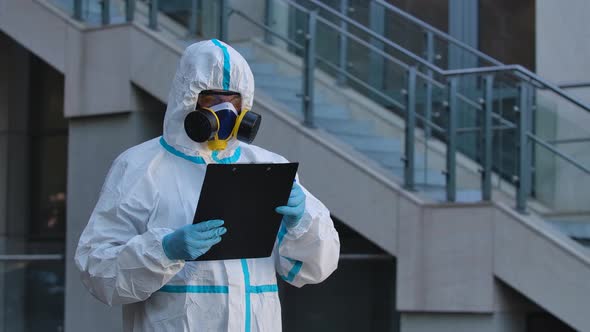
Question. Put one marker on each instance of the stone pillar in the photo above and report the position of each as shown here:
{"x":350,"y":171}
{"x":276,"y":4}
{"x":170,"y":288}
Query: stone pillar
{"x":94,"y":142}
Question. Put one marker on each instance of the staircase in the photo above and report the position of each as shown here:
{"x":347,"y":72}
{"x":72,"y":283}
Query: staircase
{"x":369,"y":130}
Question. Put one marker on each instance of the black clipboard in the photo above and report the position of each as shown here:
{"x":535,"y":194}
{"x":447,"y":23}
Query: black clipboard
{"x":245,"y":197}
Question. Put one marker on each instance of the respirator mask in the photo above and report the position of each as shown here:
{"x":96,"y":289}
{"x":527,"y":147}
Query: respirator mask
{"x":219,"y":123}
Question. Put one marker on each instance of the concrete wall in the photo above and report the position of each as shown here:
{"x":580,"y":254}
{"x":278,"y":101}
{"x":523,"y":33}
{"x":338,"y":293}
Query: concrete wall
{"x":91,"y":152}
{"x":445,"y":259}
{"x":98,"y":61}
{"x":563,"y":55}
{"x":47,"y":38}
{"x":543,"y":264}
{"x":420,"y":322}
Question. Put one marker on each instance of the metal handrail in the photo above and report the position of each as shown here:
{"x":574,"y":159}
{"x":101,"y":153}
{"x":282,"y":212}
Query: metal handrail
{"x":359,"y":81}
{"x":519,"y":69}
{"x":437,"y":32}
{"x":559,"y":153}
{"x":573,"y":85}
{"x":364,"y":43}
{"x":297,"y":6}
{"x":377,"y":36}
{"x":447,"y":73}
{"x":266,"y":28}
{"x":385,"y":55}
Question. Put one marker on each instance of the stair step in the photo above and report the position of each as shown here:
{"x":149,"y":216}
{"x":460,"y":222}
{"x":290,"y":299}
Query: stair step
{"x":574,"y":229}
{"x":372,"y":143}
{"x":246,"y":52}
{"x":328,"y":114}
{"x":265,"y":81}
{"x":348,"y":127}
{"x":321,"y":110}
{"x":263,"y":68}
{"x":430,"y":178}
{"x":283,"y":94}
{"x":288,"y":96}
{"x":331,"y":112}
{"x":462,"y":196}
{"x":395,"y":159}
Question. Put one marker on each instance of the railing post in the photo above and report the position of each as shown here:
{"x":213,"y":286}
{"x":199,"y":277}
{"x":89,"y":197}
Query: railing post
{"x":192,"y":23}
{"x":308,"y":69}
{"x":268,"y":20}
{"x":428,"y":100}
{"x":487,"y":139}
{"x":223,"y":20}
{"x":78,"y":10}
{"x":451,"y":171}
{"x":153,"y":15}
{"x":524,"y":161}
{"x":376,"y":61}
{"x":410,"y":114}
{"x":105,"y":12}
{"x":343,"y":45}
{"x":129,"y":10}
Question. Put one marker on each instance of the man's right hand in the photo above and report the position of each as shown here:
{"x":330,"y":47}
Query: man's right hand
{"x":193,"y":240}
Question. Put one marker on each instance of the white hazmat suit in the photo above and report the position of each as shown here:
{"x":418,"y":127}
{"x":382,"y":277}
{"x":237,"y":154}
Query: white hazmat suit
{"x":152,"y":189}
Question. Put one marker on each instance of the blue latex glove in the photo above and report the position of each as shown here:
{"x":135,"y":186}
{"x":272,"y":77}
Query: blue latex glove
{"x":193,"y":240}
{"x":293,"y":211}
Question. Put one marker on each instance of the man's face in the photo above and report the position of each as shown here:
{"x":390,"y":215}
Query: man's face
{"x":210,"y":98}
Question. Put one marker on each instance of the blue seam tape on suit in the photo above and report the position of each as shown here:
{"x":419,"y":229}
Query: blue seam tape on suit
{"x":247,"y":286}
{"x":216,"y":289}
{"x":171,"y":149}
{"x":294,"y":271}
{"x":194,"y":289}
{"x":228,"y":160}
{"x":200,"y":160}
{"x":282,"y":233}
{"x":263,"y":289}
{"x":296,"y":264}
{"x":226,"y":64}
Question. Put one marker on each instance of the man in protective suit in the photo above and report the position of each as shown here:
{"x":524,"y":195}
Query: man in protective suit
{"x":140,"y":234}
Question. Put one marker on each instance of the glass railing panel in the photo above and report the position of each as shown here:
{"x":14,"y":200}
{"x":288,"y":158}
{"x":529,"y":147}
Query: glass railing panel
{"x":504,"y":123}
{"x":392,"y":83}
{"x":560,"y":184}
{"x":328,"y":43}
{"x":33,"y":294}
{"x":178,"y":10}
{"x":469,"y":123}
{"x":66,"y":5}
{"x":430,"y":153}
{"x":205,"y":21}
{"x":404,"y":33}
{"x":448,"y":55}
{"x":563,"y":126}
{"x":413,"y":37}
{"x":183,"y":20}
{"x":91,"y":10}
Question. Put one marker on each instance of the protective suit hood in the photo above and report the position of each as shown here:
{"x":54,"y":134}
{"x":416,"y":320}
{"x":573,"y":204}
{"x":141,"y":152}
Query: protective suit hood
{"x":206,"y":65}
